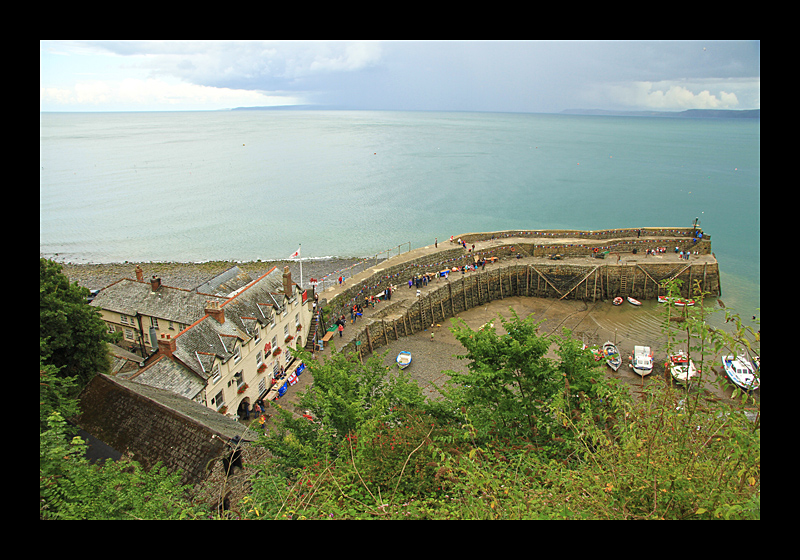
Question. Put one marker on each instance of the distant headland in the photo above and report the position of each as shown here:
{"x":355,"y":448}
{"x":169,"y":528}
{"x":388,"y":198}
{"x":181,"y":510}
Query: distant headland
{"x":688,"y":114}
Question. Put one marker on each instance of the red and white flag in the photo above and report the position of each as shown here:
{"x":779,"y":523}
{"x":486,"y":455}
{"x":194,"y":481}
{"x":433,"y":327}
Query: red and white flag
{"x":295,"y":254}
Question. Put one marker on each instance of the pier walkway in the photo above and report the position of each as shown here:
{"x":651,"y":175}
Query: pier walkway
{"x":404,"y":297}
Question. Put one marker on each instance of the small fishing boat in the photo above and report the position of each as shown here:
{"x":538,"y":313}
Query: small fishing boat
{"x":634,"y":301}
{"x":663,"y":299}
{"x":684,"y":302}
{"x":642,"y":360}
{"x":611,"y":354}
{"x":681,"y":368}
{"x":403,"y":359}
{"x":741,"y":372}
{"x":617,"y":300}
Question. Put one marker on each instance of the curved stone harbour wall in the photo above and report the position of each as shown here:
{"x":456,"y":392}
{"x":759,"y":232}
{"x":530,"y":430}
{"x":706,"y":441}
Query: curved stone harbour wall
{"x":591,"y":281}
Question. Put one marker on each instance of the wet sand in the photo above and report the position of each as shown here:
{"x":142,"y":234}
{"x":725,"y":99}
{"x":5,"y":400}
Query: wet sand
{"x":595,"y":323}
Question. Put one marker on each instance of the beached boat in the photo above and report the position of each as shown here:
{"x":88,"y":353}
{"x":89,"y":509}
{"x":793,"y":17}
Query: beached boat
{"x":611,"y":354}
{"x":617,"y":301}
{"x":741,"y":372}
{"x":634,"y":301}
{"x":681,"y":368}
{"x":597,"y":353}
{"x":403,"y":359}
{"x":663,"y":299}
{"x":642,"y":360}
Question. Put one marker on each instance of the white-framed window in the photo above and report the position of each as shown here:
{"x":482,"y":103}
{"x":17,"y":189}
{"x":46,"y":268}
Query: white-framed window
{"x":237,"y":354}
{"x":274,"y":343}
{"x":124,"y":319}
{"x":285,"y":331}
{"x":154,"y":322}
{"x":129,"y":334}
{"x":257,"y":335}
{"x":258,"y":358}
{"x":239,"y":378}
{"x":215,"y":375}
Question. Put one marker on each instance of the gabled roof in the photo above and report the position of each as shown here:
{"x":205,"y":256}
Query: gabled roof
{"x":130,"y":297}
{"x":255,"y":304}
{"x":170,"y":375}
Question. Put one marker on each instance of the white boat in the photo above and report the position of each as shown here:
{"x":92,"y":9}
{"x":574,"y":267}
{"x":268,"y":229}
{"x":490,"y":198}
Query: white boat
{"x":403,"y":359}
{"x":741,"y":372}
{"x":642,"y":360}
{"x":617,"y":300}
{"x":611,"y":354}
{"x":634,"y":301}
{"x":681,"y":368}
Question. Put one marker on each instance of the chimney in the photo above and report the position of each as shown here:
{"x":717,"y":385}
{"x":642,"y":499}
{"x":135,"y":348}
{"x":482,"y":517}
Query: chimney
{"x":155,"y":283}
{"x":166,"y":345}
{"x":214,"y":310}
{"x":139,"y":274}
{"x":287,"y":282}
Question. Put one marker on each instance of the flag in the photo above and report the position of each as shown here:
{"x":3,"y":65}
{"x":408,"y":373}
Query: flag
{"x":295,"y":254}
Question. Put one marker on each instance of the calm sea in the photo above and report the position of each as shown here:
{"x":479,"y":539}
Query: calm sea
{"x":196,"y":186}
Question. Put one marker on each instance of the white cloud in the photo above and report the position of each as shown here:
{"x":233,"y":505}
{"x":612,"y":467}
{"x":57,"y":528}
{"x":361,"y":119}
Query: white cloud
{"x":145,"y":94}
{"x":668,"y":96}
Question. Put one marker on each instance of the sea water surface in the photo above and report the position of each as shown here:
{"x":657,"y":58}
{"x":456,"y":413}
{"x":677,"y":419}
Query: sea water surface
{"x":248,"y":185}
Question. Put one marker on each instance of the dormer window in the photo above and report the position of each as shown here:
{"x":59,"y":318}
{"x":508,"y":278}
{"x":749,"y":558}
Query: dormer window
{"x":237,"y":354}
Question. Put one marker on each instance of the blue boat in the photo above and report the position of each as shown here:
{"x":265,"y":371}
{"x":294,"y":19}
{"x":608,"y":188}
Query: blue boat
{"x":403,"y":359}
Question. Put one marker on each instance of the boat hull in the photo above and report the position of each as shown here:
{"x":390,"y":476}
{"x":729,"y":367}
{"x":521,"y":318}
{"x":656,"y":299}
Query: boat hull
{"x":741,"y":373}
{"x":611,"y":354}
{"x":403,"y":360}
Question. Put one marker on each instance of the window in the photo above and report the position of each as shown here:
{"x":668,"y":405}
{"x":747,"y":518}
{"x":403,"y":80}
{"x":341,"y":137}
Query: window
{"x":124,"y":319}
{"x":215,"y":376}
{"x":237,"y":355}
{"x":274,"y":343}
{"x":257,"y":335}
{"x":218,"y":401}
{"x":239,"y":377}
{"x":285,"y":331}
{"x":129,"y":334}
{"x":258,"y":358}
{"x":153,"y":322}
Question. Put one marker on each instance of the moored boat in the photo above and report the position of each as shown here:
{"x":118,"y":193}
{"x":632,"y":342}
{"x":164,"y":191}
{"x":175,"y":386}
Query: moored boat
{"x":741,"y":372}
{"x":611,"y":354}
{"x":642,"y":360}
{"x":684,"y":302}
{"x":403,"y":359}
{"x":681,"y":368}
{"x":633,"y":301}
{"x":617,"y":300}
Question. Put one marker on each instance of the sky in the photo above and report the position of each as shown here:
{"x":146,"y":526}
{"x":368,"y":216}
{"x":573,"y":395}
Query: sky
{"x":489,"y":76}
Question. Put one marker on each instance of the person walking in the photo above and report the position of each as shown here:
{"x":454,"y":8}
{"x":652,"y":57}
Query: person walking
{"x":341,"y":330}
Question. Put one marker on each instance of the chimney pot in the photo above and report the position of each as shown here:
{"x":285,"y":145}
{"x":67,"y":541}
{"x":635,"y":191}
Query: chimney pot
{"x":139,"y":274}
{"x":155,"y":283}
{"x":214,"y":310}
{"x":167,"y":346}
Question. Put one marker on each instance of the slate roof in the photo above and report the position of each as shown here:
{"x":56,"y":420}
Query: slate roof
{"x":225,"y":283}
{"x":169,"y":375}
{"x":130,"y":297}
{"x":257,"y":303}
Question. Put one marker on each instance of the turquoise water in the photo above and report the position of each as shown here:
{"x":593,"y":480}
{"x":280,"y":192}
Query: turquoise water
{"x":194,"y":186}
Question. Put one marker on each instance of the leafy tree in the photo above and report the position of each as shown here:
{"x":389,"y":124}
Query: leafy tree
{"x":72,"y":488}
{"x":72,"y":335}
{"x":511,"y":386}
{"x":347,"y":393}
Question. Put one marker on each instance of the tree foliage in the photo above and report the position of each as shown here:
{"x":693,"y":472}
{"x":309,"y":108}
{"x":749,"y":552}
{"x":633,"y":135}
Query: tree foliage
{"x":72,"y":335}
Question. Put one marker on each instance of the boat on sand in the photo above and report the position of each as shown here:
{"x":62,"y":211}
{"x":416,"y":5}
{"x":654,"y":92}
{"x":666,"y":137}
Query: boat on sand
{"x":611,"y":354}
{"x":403,"y":359}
